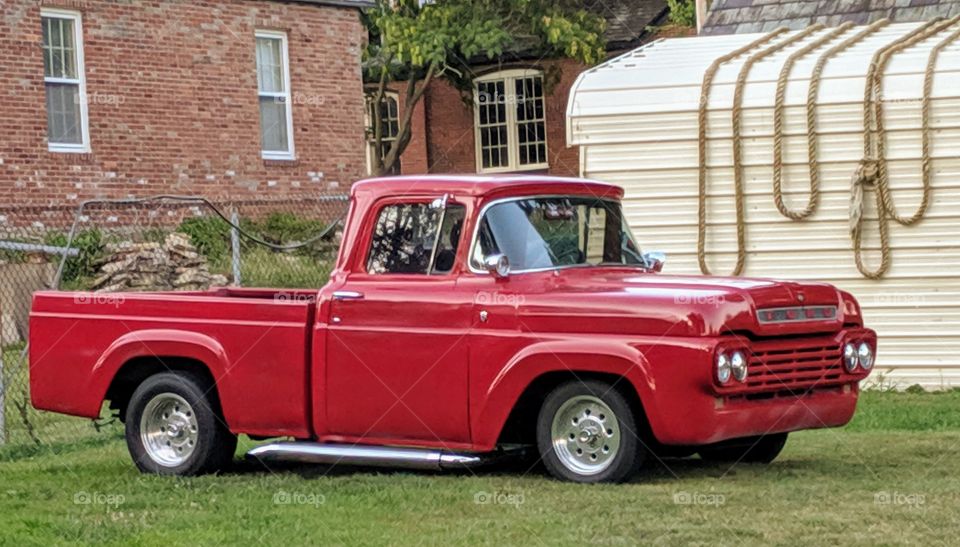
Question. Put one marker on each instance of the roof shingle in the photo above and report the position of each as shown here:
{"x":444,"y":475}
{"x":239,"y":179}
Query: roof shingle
{"x":743,"y":16}
{"x":627,"y":20}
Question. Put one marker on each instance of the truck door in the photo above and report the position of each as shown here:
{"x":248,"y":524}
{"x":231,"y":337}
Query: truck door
{"x":396,"y":359}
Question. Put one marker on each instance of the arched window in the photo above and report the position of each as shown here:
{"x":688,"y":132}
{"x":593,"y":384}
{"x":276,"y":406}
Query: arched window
{"x":389,"y":114}
{"x":510,"y":121}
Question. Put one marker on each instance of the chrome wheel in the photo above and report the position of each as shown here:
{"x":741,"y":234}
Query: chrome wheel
{"x":586,"y":435}
{"x":168,"y":429}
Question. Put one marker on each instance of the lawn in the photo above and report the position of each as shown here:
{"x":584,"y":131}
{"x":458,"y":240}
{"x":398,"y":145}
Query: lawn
{"x":892,"y":476}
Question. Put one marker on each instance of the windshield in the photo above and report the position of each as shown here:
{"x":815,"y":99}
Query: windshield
{"x":554,"y":232}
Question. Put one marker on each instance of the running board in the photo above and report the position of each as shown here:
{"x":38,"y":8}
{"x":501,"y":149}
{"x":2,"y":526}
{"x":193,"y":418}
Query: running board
{"x":372,"y":456}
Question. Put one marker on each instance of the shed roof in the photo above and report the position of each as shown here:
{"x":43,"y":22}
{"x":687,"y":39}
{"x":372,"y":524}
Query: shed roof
{"x":746,"y":16}
{"x":627,"y":20}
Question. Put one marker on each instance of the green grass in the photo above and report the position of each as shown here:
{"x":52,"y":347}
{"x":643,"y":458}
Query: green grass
{"x":890,"y":477}
{"x":262,"y":267}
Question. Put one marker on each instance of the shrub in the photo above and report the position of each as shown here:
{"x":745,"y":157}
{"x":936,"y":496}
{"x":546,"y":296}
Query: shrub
{"x":88,"y":243}
{"x":210,"y":235}
{"x":682,"y":12}
{"x":285,"y":228}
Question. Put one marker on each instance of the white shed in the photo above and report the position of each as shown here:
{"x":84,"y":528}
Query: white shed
{"x":636,"y":121}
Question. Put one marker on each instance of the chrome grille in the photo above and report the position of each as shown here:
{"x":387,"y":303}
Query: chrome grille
{"x":794,"y":365}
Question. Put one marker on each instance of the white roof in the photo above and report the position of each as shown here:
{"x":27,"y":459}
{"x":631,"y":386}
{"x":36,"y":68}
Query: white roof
{"x":666,"y":75}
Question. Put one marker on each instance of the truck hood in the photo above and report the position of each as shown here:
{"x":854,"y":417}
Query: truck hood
{"x":618,"y":300}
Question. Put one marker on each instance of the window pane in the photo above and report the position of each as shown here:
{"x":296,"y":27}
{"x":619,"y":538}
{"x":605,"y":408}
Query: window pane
{"x":531,"y":128}
{"x":403,"y":239}
{"x":270,"y":65}
{"x":63,"y":113}
{"x":59,"y":48}
{"x":273,"y":124}
{"x":492,"y":123}
{"x":543,"y":233}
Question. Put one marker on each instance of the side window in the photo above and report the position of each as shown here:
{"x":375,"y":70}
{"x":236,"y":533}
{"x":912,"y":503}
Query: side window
{"x":408,"y":235}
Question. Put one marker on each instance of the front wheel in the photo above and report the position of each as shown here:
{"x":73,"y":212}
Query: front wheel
{"x":587,"y":432}
{"x":763,"y":449}
{"x":173,"y":427}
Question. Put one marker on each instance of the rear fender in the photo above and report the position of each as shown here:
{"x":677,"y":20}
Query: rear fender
{"x":159,"y":343}
{"x":615,"y":358}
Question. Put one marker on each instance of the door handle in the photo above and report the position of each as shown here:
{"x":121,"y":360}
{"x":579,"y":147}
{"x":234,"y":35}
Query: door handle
{"x":347,"y":295}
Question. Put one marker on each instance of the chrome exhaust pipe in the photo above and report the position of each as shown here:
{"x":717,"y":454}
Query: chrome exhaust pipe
{"x":371,"y":456}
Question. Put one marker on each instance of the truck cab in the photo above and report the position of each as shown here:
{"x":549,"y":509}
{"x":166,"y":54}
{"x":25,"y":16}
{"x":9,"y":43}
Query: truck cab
{"x":465,"y":316}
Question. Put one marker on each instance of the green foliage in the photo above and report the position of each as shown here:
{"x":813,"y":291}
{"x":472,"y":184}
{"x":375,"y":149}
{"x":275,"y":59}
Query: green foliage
{"x":210,"y":235}
{"x":449,"y":34}
{"x":89,"y":244}
{"x":443,"y":39}
{"x":8,"y":256}
{"x":262,"y":267}
{"x":682,"y":12}
{"x":283,"y":228}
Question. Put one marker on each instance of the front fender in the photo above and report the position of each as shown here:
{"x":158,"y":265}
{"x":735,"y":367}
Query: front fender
{"x":608,"y":357}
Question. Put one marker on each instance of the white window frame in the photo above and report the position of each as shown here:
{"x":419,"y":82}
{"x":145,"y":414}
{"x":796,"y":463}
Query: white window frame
{"x":513,"y":147}
{"x":290,"y":153}
{"x":81,"y":82}
{"x":368,"y":119}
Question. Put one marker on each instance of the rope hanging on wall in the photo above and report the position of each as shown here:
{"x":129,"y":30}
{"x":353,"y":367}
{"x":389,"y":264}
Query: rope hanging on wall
{"x":705,"y":89}
{"x":813,"y":198}
{"x":871,"y":170}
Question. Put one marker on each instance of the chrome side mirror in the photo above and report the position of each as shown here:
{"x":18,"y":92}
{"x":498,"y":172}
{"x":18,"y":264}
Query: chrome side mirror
{"x":655,"y":260}
{"x":498,"y":265}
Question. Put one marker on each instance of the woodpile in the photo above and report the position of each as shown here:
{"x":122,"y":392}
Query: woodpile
{"x":174,"y":264}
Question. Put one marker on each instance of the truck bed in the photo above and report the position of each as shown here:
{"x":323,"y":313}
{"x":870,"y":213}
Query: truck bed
{"x":256,"y":342}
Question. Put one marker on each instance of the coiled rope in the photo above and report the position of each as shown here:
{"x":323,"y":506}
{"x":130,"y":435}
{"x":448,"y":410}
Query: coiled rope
{"x":779,"y":109}
{"x":872,"y":168}
{"x":705,"y":89}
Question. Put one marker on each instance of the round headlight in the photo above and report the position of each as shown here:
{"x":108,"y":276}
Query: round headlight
{"x":850,"y":357}
{"x":738,"y":366}
{"x":723,"y":368}
{"x":865,"y":353}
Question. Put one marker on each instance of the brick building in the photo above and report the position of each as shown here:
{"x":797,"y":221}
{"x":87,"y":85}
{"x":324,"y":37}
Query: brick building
{"x":233,"y":98}
{"x":516,"y":123}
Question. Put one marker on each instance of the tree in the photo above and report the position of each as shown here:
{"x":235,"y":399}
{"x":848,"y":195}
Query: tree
{"x":414,"y":42}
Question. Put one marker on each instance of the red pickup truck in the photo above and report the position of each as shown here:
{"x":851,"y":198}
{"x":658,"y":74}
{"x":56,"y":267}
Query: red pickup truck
{"x":465,"y":316}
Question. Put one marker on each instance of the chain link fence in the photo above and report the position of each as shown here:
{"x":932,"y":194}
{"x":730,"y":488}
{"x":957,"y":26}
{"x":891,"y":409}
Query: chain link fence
{"x":159,"y":243}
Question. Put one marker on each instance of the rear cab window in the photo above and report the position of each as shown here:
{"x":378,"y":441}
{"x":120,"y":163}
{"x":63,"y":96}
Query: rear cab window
{"x":417,"y":238}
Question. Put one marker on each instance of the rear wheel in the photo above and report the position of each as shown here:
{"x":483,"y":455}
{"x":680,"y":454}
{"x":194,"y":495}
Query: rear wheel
{"x":173,"y":427}
{"x":763,"y":449}
{"x":587,"y":432}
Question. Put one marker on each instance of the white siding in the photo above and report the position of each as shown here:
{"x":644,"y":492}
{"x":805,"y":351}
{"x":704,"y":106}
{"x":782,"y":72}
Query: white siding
{"x":635,"y":119}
